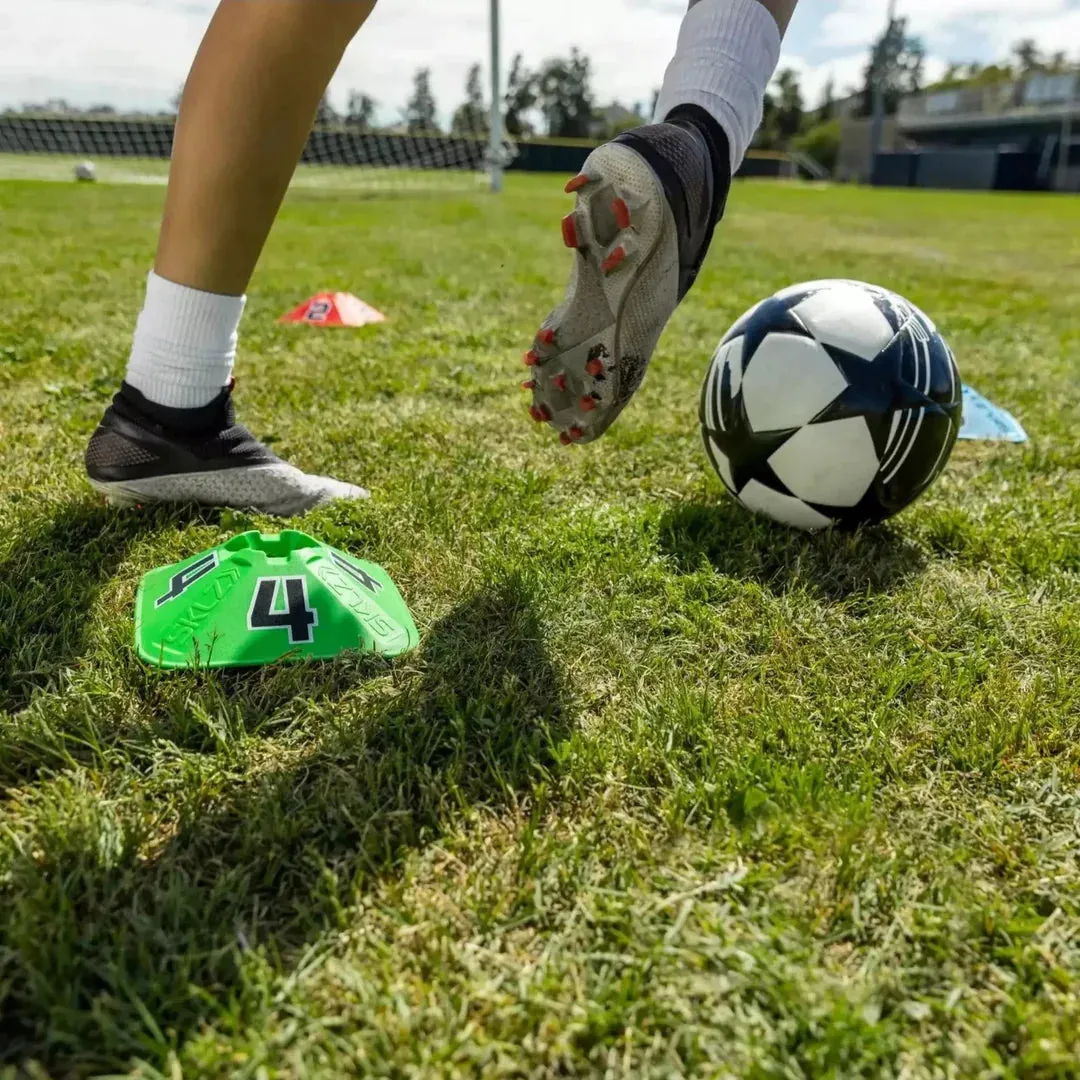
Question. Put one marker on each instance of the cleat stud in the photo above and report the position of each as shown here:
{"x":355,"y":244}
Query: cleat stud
{"x":587,"y":404}
{"x":622,"y":213}
{"x":577,"y":183}
{"x":569,"y":232}
{"x":536,"y":414}
{"x":546,"y":337}
{"x":532,"y":358}
{"x":614,"y":260}
{"x":595,"y":368}
{"x":559,"y":382}
{"x":575,"y":434}
{"x":529,"y":384}
{"x":564,"y":438}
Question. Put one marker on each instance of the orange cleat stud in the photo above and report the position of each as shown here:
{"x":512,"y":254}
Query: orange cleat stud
{"x":595,"y":368}
{"x":622,"y":213}
{"x":559,"y":382}
{"x":587,"y":404}
{"x":546,"y":337}
{"x":614,"y":260}
{"x":569,"y":232}
{"x":529,"y":384}
{"x":577,"y":183}
{"x":532,"y":358}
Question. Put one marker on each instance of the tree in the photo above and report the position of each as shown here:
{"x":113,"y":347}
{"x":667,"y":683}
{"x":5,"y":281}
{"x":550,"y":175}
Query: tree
{"x":520,"y":98}
{"x":768,"y":134}
{"x":564,"y":93}
{"x":326,"y":114}
{"x":895,"y":65}
{"x":1028,"y":58}
{"x":471,"y":117}
{"x":789,"y":106}
{"x":1057,"y":63}
{"x":827,"y":106}
{"x":421,"y":112}
{"x":822,"y":143}
{"x":360,"y":113}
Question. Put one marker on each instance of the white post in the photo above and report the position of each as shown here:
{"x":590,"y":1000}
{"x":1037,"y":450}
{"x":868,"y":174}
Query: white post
{"x":496,"y":147}
{"x":877,"y":124}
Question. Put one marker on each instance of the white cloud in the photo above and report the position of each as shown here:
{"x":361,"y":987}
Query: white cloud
{"x":629,"y":44}
{"x":960,"y":27}
{"x":135,"y":53}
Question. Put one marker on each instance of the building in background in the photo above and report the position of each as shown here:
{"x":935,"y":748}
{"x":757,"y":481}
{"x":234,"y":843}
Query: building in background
{"x":1023,"y":134}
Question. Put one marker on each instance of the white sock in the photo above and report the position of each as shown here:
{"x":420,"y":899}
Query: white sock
{"x":727,"y":53}
{"x":185,"y":344}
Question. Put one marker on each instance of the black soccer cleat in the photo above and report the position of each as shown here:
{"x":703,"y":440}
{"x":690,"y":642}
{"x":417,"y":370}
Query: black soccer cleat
{"x":647,"y":205}
{"x":139,"y":455}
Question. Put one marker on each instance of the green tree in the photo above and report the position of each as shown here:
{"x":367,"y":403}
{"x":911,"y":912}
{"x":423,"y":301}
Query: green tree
{"x":520,"y":98}
{"x":896,"y":65}
{"x":361,"y":111}
{"x":1028,"y":57}
{"x":326,"y":115}
{"x":789,"y":104}
{"x":471,"y":116}
{"x":421,"y":112}
{"x":1057,"y":63}
{"x":768,"y":134}
{"x":822,"y":143}
{"x":564,"y":94}
{"x":827,"y":106}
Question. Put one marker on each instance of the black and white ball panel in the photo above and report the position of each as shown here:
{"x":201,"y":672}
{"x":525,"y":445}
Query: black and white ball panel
{"x":831,"y":401}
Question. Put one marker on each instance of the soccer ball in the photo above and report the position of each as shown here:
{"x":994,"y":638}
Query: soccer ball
{"x":85,"y":171}
{"x":833,"y":402}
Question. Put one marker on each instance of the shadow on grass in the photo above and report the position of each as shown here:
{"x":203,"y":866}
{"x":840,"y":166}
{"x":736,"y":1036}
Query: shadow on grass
{"x":50,"y":580}
{"x":96,"y":938}
{"x":48,"y":584}
{"x":833,"y":565}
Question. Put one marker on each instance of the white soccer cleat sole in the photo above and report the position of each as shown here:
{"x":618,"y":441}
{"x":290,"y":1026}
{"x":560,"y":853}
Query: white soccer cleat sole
{"x":589,"y":357}
{"x":279,"y":490}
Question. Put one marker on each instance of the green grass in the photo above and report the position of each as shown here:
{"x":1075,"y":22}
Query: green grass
{"x":667,"y":790}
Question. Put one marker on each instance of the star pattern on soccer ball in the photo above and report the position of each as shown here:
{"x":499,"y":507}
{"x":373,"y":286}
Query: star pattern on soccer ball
{"x":747,"y":452}
{"x":876,"y":390}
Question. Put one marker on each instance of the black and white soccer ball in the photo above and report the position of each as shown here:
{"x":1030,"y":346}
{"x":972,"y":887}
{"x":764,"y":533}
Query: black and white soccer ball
{"x":833,"y":402}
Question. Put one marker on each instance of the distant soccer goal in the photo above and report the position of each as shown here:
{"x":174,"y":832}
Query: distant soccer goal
{"x":353,"y":150}
{"x":338,"y":156}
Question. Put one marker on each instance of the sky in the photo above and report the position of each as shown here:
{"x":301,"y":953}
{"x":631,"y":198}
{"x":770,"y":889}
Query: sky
{"x":135,"y":53}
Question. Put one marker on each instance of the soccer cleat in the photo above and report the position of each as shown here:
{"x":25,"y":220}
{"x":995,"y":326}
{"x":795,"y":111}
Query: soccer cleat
{"x":134,"y":459}
{"x":647,"y":205}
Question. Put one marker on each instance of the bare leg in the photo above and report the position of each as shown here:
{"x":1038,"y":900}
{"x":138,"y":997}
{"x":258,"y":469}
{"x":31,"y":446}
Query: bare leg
{"x":247,"y":110}
{"x":170,"y":434}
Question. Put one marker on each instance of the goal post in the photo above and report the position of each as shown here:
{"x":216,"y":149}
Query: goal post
{"x":495,"y":147}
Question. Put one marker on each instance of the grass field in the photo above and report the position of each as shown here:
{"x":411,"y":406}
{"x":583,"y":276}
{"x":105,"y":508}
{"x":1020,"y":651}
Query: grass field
{"x":667,"y":790}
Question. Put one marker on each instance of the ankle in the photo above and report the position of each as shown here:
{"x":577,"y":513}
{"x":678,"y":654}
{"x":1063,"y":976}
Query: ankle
{"x":216,"y":415}
{"x":185,"y":345}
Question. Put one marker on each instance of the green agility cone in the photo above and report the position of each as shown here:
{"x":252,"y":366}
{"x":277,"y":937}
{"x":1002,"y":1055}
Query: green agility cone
{"x":258,"y":599}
